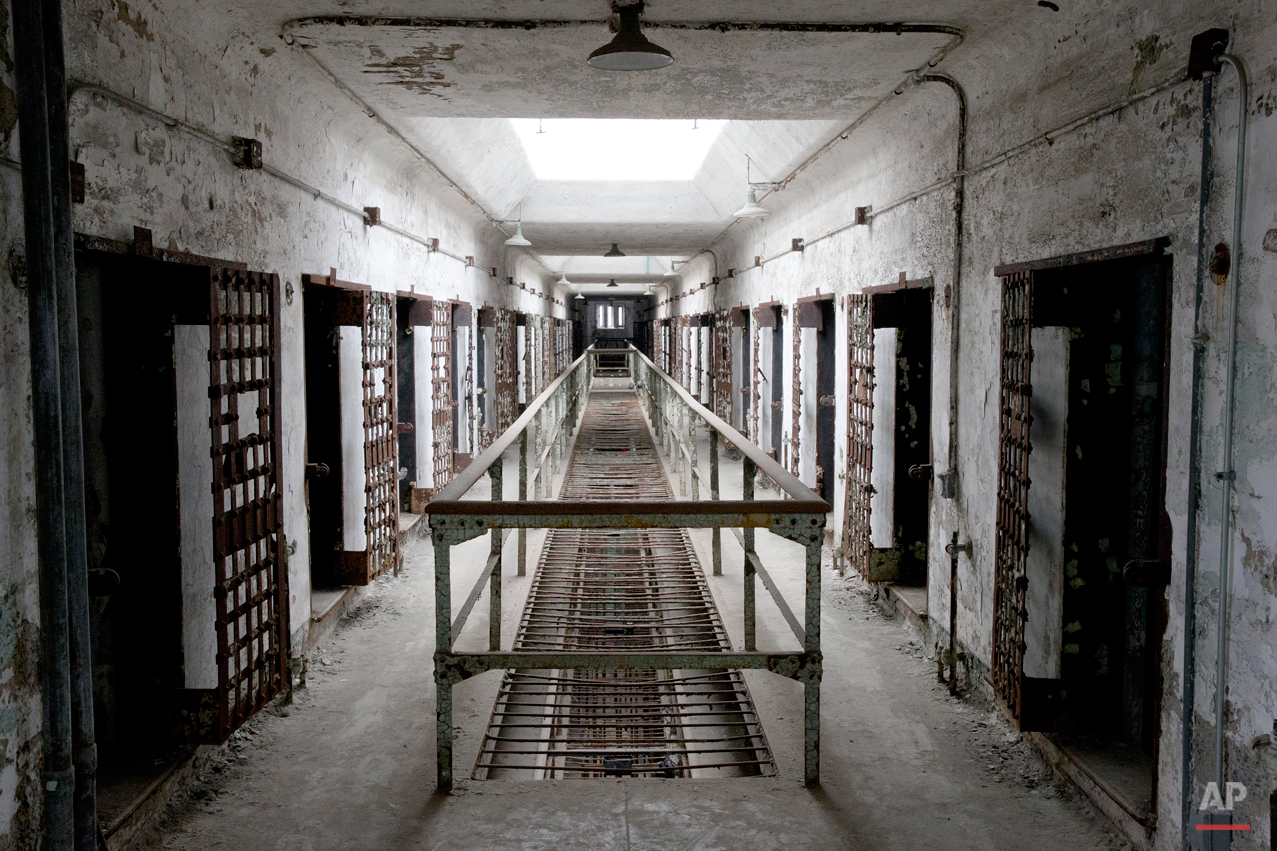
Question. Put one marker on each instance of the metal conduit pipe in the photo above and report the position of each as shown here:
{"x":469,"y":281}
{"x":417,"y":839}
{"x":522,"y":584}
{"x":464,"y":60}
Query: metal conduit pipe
{"x":57,"y":775}
{"x":1228,"y":475}
{"x":950,"y":482}
{"x":1188,"y":711}
{"x":83,"y":740}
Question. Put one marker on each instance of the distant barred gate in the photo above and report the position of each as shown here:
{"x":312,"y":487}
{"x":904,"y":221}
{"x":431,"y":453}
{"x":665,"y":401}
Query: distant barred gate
{"x":441,"y":396}
{"x":506,"y":404}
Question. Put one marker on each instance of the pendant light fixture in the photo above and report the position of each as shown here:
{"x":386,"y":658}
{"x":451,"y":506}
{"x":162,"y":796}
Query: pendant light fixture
{"x":671,"y":273}
{"x":752,"y":209}
{"x":563,"y":279}
{"x":613,"y":283}
{"x":518,"y":239}
{"x":615,"y":252}
{"x":579,"y":296}
{"x":630,"y":50}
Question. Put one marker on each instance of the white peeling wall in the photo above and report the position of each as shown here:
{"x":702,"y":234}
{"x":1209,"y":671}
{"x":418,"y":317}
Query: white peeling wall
{"x":1130,"y":176}
{"x":199,"y":67}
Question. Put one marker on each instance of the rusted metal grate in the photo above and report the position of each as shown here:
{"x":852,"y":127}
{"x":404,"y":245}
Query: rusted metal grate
{"x":441,"y":398}
{"x":1012,"y":532}
{"x":857,"y":496}
{"x":469,"y":414}
{"x":755,"y":383}
{"x":796,"y":398}
{"x":547,"y":351}
{"x":248,"y":542}
{"x":507,"y":371}
{"x":678,"y":349}
{"x":723,"y":365}
{"x":381,"y":440}
{"x":621,"y":590}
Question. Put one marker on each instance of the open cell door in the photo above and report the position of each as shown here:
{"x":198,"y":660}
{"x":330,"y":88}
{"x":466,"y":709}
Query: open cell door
{"x":507,"y":371}
{"x":859,"y":470}
{"x":381,"y":434}
{"x":1012,"y":531}
{"x":441,"y":396}
{"x":248,"y":541}
{"x":723,"y":365}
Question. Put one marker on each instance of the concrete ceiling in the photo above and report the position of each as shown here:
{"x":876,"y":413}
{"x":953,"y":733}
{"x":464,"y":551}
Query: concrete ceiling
{"x":449,"y":90}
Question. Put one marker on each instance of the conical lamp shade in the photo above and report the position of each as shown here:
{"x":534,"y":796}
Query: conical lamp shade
{"x":613,"y":283}
{"x":629,"y":50}
{"x":752,"y":209}
{"x":615,"y":252}
{"x":563,"y":279}
{"x":518,"y":238}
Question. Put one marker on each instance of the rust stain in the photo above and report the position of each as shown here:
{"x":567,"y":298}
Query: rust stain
{"x":415,"y":71}
{"x":1147,"y":51}
{"x":138,"y":24}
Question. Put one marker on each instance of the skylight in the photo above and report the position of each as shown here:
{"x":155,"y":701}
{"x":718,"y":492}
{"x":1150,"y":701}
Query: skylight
{"x":616,"y":148}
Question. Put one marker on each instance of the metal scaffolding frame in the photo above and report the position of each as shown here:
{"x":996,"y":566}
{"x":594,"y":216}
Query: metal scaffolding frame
{"x":551,"y":418}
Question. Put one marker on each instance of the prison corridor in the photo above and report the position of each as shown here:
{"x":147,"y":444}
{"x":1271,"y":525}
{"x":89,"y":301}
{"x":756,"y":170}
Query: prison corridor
{"x":633,"y":590}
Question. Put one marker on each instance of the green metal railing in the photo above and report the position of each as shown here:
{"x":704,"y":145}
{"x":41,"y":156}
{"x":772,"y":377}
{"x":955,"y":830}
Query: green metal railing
{"x":543,"y":433}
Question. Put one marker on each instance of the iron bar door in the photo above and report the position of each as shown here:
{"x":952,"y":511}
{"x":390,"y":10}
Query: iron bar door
{"x":248,"y":540}
{"x":441,"y":397}
{"x":381,"y":440}
{"x":857,"y":496}
{"x":1012,"y":530}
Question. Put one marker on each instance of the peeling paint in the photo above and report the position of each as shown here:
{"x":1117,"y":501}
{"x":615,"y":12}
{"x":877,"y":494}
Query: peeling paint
{"x":416,"y":71}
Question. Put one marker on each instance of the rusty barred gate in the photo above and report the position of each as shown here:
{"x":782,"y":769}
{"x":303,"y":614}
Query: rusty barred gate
{"x":248,"y":541}
{"x":441,"y":396}
{"x":381,"y":438}
{"x":796,"y":397}
{"x":858,"y":479}
{"x":506,"y":369}
{"x":723,"y":364}
{"x":1012,"y":531}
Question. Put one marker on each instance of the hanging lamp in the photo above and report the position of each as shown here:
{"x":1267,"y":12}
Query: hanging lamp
{"x":615,"y":252}
{"x":613,"y":283}
{"x":752,"y":209}
{"x":563,"y":279}
{"x":518,"y":239}
{"x":630,"y":50}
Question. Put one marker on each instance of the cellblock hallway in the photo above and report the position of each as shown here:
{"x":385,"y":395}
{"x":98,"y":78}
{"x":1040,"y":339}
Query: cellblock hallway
{"x":638,"y":424}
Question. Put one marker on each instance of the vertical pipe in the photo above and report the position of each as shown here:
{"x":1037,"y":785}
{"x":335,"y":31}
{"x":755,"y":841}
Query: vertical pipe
{"x":1188,"y":711}
{"x":84,"y":747}
{"x":747,"y":493}
{"x":811,"y":644}
{"x":953,"y":615}
{"x":57,"y":774}
{"x":955,"y":302}
{"x":443,"y":644}
{"x":494,"y":586}
{"x":717,"y":532}
{"x":1227,"y":475}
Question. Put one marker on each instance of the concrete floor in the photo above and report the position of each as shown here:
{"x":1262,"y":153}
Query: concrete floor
{"x":351,"y":763}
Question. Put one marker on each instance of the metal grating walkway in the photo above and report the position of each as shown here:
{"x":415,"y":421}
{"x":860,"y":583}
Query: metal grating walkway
{"x":620,"y":589}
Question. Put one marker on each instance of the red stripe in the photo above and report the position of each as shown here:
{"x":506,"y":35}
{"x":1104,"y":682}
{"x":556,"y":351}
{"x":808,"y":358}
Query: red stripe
{"x":1223,"y":827}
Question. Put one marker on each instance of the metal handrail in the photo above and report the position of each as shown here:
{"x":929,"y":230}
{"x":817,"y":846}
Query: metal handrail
{"x":454,"y":520}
